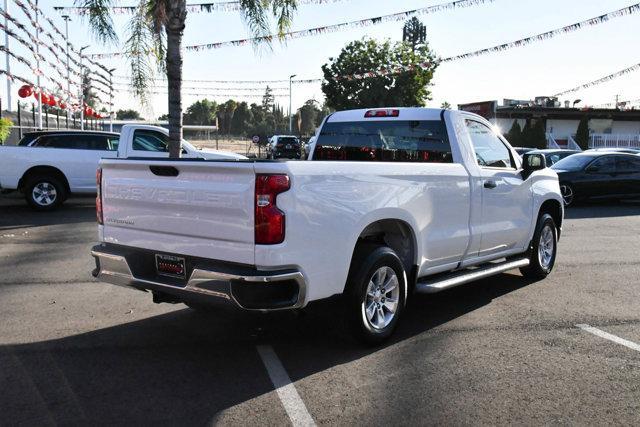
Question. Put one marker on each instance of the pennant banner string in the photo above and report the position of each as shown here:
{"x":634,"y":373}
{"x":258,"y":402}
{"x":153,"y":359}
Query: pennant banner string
{"x":604,"y":79}
{"x":394,"y":17}
{"x":227,"y":6}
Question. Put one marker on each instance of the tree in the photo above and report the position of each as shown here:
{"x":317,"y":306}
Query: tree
{"x":268,"y":100}
{"x":155,"y":36}
{"x":406,"y":89}
{"x":201,"y":113}
{"x":414,"y":33}
{"x":128,"y":115}
{"x":539,"y":135}
{"x":514,"y":136}
{"x":225,"y":115}
{"x":445,"y":105}
{"x":582,"y":134}
{"x":241,"y":121}
{"x":309,"y":113}
{"x":525,"y":138}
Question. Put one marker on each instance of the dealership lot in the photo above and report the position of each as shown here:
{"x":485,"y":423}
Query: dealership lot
{"x":498,"y":351}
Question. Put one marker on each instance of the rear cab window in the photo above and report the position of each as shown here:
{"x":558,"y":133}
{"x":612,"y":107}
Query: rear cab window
{"x":75,"y":142}
{"x":384,"y":141}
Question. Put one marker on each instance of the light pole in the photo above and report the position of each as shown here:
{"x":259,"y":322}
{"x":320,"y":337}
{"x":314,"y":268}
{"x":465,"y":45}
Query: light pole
{"x":38,"y":68}
{"x":290,"y":112}
{"x":82,"y":89}
{"x":6,"y":44}
{"x":66,"y":26}
{"x":111,"y":99}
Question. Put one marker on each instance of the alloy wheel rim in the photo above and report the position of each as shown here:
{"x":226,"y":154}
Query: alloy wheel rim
{"x":546,"y":247}
{"x":382,"y":298}
{"x":44,"y":194}
{"x":567,"y":194}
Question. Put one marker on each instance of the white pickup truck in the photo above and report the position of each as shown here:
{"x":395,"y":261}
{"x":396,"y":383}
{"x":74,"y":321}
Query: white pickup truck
{"x":54,"y":164}
{"x":392,"y":201}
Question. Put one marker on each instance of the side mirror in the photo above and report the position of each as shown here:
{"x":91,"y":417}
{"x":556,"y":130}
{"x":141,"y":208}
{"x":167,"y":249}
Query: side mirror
{"x":532,"y":162}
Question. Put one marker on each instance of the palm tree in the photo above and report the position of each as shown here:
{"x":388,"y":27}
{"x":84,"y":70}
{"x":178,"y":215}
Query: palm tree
{"x":155,"y":38}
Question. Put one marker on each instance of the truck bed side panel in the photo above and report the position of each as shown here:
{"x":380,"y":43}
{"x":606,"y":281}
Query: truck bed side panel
{"x":331,"y":203}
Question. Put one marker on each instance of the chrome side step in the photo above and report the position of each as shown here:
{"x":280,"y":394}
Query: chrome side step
{"x":465,"y":276}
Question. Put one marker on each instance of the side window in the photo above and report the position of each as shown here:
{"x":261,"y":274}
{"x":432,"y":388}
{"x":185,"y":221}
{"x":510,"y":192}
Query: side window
{"x":149,"y":140}
{"x":96,"y":142}
{"x":628,"y":164}
{"x":62,"y":141}
{"x":490,"y":150}
{"x":112,"y":143}
{"x":603,"y":165}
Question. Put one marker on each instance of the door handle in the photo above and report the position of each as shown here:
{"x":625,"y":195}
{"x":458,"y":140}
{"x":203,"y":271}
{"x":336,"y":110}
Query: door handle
{"x":490,"y":184}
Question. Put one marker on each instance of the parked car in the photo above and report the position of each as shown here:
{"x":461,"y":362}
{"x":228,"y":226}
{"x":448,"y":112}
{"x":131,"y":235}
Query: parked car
{"x":283,"y":146}
{"x":48,"y":166}
{"x":627,"y":150}
{"x":523,"y":150}
{"x":553,"y":156}
{"x":598,"y":175}
{"x":392,"y":201}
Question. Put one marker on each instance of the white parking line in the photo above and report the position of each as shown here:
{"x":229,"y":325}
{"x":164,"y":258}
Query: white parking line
{"x":610,"y":337}
{"x":293,"y":404}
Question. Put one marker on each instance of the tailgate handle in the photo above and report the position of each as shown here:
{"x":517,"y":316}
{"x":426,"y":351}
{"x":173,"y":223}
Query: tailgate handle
{"x":164,"y":170}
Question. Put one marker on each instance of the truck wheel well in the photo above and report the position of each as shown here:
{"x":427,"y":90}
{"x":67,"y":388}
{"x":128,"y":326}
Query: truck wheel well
{"x":46,"y":171}
{"x":395,"y":234}
{"x":553,"y":208}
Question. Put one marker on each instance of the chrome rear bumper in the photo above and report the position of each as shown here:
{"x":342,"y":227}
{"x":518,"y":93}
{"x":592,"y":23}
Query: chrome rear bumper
{"x":204,"y":284}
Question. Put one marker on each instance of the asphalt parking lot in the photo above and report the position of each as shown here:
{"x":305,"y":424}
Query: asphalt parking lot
{"x":499,"y":351}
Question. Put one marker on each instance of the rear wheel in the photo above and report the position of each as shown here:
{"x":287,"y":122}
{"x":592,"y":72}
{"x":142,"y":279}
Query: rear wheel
{"x":375,"y":294}
{"x":44,"y":193}
{"x":543,"y":250}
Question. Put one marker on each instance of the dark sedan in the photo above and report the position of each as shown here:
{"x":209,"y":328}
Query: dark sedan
{"x":553,"y":156}
{"x":599,"y":175}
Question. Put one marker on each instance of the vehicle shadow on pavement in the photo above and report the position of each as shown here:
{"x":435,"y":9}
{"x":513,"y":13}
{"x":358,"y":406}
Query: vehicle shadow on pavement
{"x":602,"y":210}
{"x":190,"y":367}
{"x":15,"y":213}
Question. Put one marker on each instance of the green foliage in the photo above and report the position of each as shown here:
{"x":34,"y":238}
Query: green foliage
{"x":309,"y":114}
{"x":128,"y":115}
{"x":539,"y":135}
{"x":201,"y":113}
{"x":514,"y":136}
{"x":5,"y":129}
{"x":445,"y":105}
{"x":582,"y":134}
{"x":534,"y":136}
{"x":226,"y":112}
{"x":242,"y":119}
{"x":402,"y":90}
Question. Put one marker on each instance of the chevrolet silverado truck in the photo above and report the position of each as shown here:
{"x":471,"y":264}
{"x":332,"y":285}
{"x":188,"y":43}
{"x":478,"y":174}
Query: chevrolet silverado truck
{"x":47,"y":166}
{"x":392,"y":202}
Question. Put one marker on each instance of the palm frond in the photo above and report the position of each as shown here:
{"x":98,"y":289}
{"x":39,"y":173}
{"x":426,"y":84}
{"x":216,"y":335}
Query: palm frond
{"x":140,"y":47}
{"x":256,"y":14}
{"x":283,"y":11}
{"x":100,"y":20}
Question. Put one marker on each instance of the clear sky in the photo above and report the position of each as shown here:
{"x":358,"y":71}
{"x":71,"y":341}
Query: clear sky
{"x":542,"y":68}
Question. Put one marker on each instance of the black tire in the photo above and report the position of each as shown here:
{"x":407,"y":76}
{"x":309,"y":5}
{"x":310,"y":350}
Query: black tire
{"x":39,"y":185}
{"x":541,"y":262}
{"x":369,"y":261}
{"x":568,"y":193}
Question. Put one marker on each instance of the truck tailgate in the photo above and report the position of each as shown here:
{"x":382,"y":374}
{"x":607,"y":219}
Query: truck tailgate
{"x":205,"y":211}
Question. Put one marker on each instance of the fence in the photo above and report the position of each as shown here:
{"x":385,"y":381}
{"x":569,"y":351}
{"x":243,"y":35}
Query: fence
{"x":602,"y":140}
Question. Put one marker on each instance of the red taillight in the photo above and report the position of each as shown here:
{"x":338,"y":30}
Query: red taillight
{"x":269,"y":220}
{"x":382,"y":113}
{"x":99,"y":196}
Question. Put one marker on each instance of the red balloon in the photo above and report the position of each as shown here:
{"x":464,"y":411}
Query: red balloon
{"x":63,"y":105}
{"x":52,"y":101}
{"x":44,"y":98}
{"x":25,"y":91}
